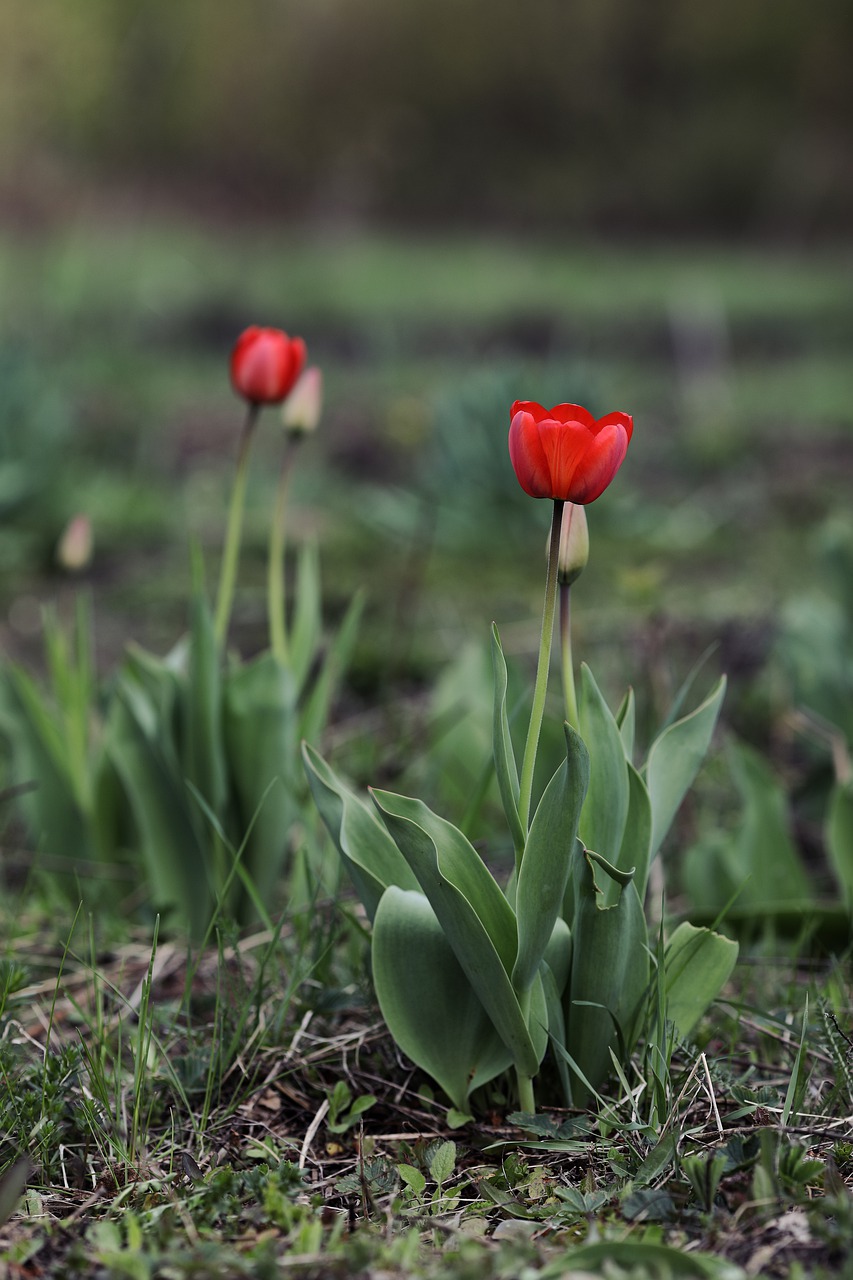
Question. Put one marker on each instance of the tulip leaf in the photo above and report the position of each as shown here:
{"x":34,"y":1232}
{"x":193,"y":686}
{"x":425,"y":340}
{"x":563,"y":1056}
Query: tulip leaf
{"x":626,"y":719}
{"x":177,"y":860}
{"x":260,"y":739}
{"x":697,"y":965}
{"x":547,"y":859}
{"x":558,"y":954}
{"x":603,"y":817}
{"x":51,"y":809}
{"x":428,"y":1003}
{"x":637,"y":841}
{"x":367,"y":850}
{"x":203,"y":747}
{"x":610,"y":972}
{"x":477,"y":920}
{"x":675,"y":758}
{"x":506,"y":768}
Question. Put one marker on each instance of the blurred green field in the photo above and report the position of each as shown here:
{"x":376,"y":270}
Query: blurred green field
{"x":115,"y":401}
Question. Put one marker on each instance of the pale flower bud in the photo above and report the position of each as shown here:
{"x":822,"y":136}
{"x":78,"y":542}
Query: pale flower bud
{"x":574,"y":544}
{"x":301,"y":411}
{"x":74,"y":549}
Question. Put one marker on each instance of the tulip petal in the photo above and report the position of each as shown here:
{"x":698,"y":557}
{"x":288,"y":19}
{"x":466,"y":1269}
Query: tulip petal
{"x":565,"y":445}
{"x":602,"y":459}
{"x":527,"y":455}
{"x":570,"y":413}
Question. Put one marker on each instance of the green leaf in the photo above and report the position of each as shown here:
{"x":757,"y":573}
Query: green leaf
{"x":367,"y":850}
{"x":52,"y":809}
{"x":839,"y":837}
{"x":637,"y":841}
{"x":506,"y":769}
{"x":261,"y":745}
{"x":675,"y":758}
{"x":428,"y":1003}
{"x":547,"y":859}
{"x":201,"y":710}
{"x":477,"y":920}
{"x":603,"y":817}
{"x":412,"y":1177}
{"x":610,"y":973}
{"x":697,"y":965}
{"x":443,"y":1163}
{"x":762,"y":858}
{"x":179,"y":873}
{"x":626,"y":718}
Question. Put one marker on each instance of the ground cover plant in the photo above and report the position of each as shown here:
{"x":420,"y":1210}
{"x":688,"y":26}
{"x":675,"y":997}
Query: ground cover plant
{"x":236,"y":1105}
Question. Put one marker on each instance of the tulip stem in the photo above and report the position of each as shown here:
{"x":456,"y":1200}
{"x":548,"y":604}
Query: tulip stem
{"x":569,"y":695}
{"x":233,"y":531}
{"x":526,"y":1099}
{"x":275,"y":578}
{"x":541,"y":687}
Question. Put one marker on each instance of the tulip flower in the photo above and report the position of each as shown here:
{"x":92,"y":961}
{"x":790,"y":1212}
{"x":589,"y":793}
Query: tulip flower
{"x":265,"y":364}
{"x":564,"y":453}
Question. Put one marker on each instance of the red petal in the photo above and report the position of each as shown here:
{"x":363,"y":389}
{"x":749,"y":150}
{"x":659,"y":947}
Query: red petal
{"x":527,"y":455}
{"x":602,"y":459}
{"x":572,"y":413}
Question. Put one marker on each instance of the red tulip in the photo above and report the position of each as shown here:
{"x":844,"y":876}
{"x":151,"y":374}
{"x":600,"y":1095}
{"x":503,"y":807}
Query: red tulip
{"x":564,"y":452}
{"x":265,"y":364}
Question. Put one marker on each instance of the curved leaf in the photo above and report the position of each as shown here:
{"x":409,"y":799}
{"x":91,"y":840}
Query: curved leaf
{"x":547,"y":859}
{"x":603,"y":817}
{"x":426,"y":1000}
{"x":477,"y":920}
{"x":610,"y":973}
{"x":674,"y":760}
{"x":368,"y":852}
{"x":506,"y":769}
{"x":697,"y":965}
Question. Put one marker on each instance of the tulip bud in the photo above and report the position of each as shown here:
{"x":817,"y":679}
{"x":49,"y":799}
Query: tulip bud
{"x":265,"y":364}
{"x":574,"y":544}
{"x":301,"y":411}
{"x":74,"y":549}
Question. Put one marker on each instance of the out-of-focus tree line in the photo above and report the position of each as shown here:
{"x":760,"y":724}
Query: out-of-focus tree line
{"x":604,"y":114}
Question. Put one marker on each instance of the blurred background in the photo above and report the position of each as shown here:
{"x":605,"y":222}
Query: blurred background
{"x":456,"y":204}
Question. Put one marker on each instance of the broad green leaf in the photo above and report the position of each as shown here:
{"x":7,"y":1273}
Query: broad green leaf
{"x":428,"y":1003}
{"x":203,"y":752}
{"x":553,"y":991}
{"x":506,"y":769}
{"x":477,"y":920}
{"x":558,"y":953}
{"x":602,"y":822}
{"x":626,"y":718}
{"x":675,"y":758}
{"x":547,"y":859}
{"x":697,"y":965}
{"x":367,"y":850}
{"x":610,"y":972}
{"x":261,"y":744}
{"x":637,"y":840}
{"x":643,"y":1258}
{"x":178,"y":870}
{"x":839,"y":837}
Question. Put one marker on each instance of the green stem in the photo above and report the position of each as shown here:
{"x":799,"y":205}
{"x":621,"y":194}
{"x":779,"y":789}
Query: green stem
{"x":275,"y":565}
{"x":569,"y":694}
{"x":231,"y":551}
{"x":526,"y":1099}
{"x":541,"y":687}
